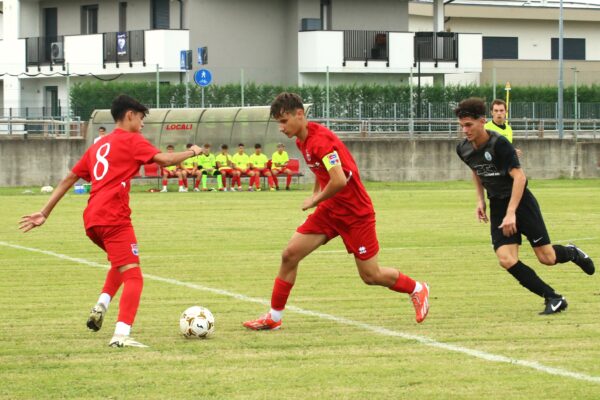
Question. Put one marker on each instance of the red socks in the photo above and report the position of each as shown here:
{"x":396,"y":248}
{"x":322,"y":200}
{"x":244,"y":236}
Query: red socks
{"x":132,"y":291}
{"x":165,"y":181}
{"x":281,"y":292}
{"x":404,"y":284}
{"x":288,"y":181}
{"x":112,"y":283}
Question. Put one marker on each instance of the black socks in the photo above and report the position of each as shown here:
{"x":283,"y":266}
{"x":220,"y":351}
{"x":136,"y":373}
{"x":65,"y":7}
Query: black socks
{"x":530,"y":280}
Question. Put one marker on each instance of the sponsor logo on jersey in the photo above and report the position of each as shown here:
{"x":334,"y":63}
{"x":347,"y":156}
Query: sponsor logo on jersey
{"x":134,"y":249}
{"x":487,"y":156}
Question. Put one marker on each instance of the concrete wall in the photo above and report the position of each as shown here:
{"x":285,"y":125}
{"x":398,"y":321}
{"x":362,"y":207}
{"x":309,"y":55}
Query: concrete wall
{"x":379,"y":159}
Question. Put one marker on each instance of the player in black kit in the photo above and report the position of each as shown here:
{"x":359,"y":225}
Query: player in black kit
{"x":513,"y":208}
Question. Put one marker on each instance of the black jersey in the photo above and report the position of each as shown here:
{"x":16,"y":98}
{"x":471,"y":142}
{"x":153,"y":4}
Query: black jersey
{"x":492,"y":163}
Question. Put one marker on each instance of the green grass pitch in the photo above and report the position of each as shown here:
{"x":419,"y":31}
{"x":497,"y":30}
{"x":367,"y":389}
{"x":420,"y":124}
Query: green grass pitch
{"x":231,"y":242}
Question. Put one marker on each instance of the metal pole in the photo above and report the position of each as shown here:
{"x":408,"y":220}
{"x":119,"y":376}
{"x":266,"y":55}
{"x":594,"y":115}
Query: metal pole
{"x":202,"y":91}
{"x":327,"y":96}
{"x":419,"y":80}
{"x":560,"y":73}
{"x":411,"y":121}
{"x":157,"y":87}
{"x":575,"y":113}
{"x":68,"y":119}
{"x":494,"y":83}
{"x":242,"y":84}
{"x":187,"y":89}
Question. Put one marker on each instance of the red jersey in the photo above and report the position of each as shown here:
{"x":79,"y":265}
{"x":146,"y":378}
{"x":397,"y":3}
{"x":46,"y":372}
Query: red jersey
{"x":109,"y":164}
{"x":323,"y":149}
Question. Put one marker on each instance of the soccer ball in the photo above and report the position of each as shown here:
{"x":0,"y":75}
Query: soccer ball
{"x":46,"y":189}
{"x":196,"y":322}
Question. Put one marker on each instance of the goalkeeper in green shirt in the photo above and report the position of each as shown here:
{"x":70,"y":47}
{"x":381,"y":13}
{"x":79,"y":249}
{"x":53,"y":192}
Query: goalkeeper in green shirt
{"x":208,"y":165}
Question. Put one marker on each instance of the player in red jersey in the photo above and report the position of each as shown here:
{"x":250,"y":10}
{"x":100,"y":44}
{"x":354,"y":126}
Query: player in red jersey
{"x":343,"y":208}
{"x":109,"y":165}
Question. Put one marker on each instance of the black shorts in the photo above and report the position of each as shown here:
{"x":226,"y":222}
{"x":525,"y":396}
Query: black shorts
{"x":529,"y":222}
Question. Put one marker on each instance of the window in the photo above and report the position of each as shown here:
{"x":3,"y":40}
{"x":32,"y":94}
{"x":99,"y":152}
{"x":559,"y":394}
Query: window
{"x":89,"y":19}
{"x":122,"y":16}
{"x":160,"y":14}
{"x":573,"y":49}
{"x":499,"y":47}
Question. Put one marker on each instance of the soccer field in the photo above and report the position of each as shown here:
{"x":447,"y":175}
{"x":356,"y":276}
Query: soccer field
{"x":483,"y":338}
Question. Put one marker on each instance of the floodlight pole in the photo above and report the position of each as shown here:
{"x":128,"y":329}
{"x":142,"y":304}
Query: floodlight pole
{"x":242,"y":84}
{"x":68,"y":119}
{"x":560,"y":73}
{"x":157,"y":87}
{"x":327,"y":95}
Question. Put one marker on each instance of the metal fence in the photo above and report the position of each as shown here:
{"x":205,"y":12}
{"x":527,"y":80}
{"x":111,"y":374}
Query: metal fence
{"x":44,"y":50}
{"x":365,"y":46}
{"x":123,"y":47}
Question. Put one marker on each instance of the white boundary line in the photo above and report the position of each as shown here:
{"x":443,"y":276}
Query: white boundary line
{"x":340,"y":320}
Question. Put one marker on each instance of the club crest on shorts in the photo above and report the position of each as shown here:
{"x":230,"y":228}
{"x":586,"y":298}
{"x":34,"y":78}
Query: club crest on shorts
{"x":487,"y":156}
{"x":362,"y":250}
{"x":134,"y":249}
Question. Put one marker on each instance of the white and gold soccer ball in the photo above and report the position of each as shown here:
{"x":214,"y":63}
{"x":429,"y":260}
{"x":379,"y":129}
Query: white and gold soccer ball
{"x":46,"y":189}
{"x":197,"y":322}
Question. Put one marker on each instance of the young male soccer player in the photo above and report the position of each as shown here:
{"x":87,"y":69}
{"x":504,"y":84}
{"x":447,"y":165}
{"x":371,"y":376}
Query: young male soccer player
{"x":109,"y":165}
{"x":279,"y":161}
{"x":190,"y":168}
{"x":240,"y":161}
{"x":343,"y":208}
{"x":223,"y":160}
{"x":208,"y":166}
{"x":513,"y":208}
{"x":258,"y":165}
{"x":171,"y":171}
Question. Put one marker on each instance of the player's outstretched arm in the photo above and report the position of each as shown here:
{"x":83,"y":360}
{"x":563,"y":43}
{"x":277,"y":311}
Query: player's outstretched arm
{"x":337,"y":181}
{"x":28,"y":222}
{"x":167,"y":159}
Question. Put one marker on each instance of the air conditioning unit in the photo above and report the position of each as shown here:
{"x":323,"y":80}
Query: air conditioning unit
{"x":56,"y":52}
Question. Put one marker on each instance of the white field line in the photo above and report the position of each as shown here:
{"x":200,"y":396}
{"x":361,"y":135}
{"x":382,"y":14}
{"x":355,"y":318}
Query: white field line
{"x":340,"y":320}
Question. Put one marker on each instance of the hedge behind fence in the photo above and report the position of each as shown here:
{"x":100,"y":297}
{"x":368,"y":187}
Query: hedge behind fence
{"x":85,"y":97}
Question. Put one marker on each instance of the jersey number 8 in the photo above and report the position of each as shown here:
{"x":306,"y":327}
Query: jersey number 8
{"x":101,"y":154}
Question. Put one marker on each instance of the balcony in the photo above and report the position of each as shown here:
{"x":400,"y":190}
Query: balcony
{"x":389,"y":52}
{"x":108,"y":53}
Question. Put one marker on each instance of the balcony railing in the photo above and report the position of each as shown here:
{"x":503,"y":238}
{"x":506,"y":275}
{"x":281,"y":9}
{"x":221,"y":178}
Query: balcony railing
{"x":44,"y":50}
{"x":436,"y":47}
{"x":121,"y":47}
{"x":365,"y":46}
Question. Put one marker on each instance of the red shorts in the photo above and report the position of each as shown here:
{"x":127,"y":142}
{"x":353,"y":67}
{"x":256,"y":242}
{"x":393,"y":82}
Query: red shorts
{"x":281,"y":170}
{"x":261,"y":171}
{"x":358,"y":234}
{"x":170,"y":173}
{"x":225,"y":171}
{"x":118,"y":242}
{"x":243,"y":171}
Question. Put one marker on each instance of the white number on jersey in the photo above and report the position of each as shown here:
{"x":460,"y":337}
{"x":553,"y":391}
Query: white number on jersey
{"x":101,"y":159}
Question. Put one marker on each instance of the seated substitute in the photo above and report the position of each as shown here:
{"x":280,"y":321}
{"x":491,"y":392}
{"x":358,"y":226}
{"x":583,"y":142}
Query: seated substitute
{"x":208,"y":166}
{"x":224,"y":165}
{"x":189,"y":167}
{"x":239,"y":163}
{"x":279,"y":162}
{"x":171,"y":171}
{"x":258,"y":165}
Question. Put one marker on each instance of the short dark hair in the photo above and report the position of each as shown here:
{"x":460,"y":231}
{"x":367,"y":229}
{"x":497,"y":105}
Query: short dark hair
{"x":240,"y":144}
{"x":187,"y":146}
{"x":257,"y":146}
{"x":123,"y":103}
{"x":206,"y":145}
{"x":102,"y":129}
{"x":285,"y":102}
{"x":170,"y":146}
{"x":472,"y":107}
{"x":497,"y":102}
{"x":224,"y":147}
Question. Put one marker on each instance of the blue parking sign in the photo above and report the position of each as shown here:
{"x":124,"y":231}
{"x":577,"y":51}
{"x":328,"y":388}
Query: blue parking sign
{"x":203,"y":77}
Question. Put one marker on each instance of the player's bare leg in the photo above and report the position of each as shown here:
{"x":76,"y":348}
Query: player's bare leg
{"x":299,"y":246}
{"x":373,"y":274}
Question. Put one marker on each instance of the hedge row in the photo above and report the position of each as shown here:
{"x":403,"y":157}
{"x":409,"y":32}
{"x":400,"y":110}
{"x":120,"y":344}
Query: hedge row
{"x":85,"y":97}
